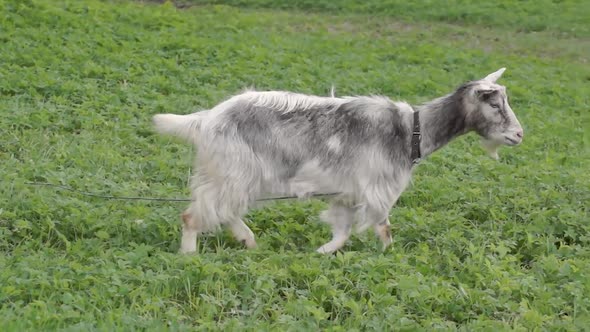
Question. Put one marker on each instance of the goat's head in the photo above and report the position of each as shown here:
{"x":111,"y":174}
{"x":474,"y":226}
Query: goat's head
{"x":491,"y":116}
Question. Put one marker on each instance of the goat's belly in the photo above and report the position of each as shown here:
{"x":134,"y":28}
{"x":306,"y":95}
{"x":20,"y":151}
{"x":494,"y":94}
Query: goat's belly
{"x":312,"y":178}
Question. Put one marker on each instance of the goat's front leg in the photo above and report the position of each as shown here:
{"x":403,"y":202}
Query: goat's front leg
{"x":339,"y":237}
{"x":341,"y":219}
{"x":383,"y":231}
{"x":377,"y":216}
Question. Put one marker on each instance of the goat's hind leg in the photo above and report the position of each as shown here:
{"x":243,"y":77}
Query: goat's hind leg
{"x":243,"y":233}
{"x":340,"y":218}
{"x":190,"y":229}
{"x":203,"y":215}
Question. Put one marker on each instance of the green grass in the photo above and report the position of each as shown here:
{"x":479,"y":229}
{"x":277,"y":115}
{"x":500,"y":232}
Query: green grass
{"x":562,"y":17}
{"x":478,"y":244}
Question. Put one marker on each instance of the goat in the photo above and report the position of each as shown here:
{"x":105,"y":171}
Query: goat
{"x":364,"y":148}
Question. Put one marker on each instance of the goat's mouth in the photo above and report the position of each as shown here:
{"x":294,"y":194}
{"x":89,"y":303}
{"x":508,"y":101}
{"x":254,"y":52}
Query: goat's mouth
{"x":511,"y":141}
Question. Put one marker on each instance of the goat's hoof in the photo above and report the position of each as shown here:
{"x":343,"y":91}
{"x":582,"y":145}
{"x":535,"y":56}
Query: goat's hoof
{"x":186,"y":251}
{"x":386,"y":244}
{"x":325,"y":251}
{"x":249,"y":244}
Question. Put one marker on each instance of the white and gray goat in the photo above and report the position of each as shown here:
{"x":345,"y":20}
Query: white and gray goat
{"x":363,"y":148}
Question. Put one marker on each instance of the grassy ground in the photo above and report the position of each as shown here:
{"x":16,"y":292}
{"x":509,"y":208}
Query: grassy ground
{"x":566,"y":18}
{"x":478,"y":244}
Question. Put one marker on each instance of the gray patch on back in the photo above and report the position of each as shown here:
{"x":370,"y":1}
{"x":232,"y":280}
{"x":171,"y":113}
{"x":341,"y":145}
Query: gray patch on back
{"x":289,"y":139}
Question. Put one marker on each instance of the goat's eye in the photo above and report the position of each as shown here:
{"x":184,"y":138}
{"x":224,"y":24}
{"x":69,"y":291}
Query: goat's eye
{"x":495,"y":105}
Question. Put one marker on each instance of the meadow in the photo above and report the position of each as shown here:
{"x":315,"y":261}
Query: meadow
{"x":478,"y":244}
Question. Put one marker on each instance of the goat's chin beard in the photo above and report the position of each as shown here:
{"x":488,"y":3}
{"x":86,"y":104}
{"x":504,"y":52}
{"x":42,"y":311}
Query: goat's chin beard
{"x":491,"y":147}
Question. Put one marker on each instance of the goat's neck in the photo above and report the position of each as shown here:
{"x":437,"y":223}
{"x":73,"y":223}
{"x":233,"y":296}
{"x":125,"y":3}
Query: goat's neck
{"x":441,"y":120}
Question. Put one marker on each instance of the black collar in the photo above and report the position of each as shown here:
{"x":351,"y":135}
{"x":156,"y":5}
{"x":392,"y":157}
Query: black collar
{"x":416,"y":155}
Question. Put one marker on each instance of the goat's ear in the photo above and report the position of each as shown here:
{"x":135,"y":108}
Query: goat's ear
{"x":484,"y":94}
{"x":493,"y":77}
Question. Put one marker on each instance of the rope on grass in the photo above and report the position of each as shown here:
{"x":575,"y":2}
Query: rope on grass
{"x":156,"y":199}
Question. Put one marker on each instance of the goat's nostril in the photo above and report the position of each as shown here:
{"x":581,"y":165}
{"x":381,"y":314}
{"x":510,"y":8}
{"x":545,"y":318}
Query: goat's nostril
{"x":519,"y":134}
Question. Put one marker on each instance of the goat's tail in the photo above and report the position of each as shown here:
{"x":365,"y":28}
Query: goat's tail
{"x":182,"y":126}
